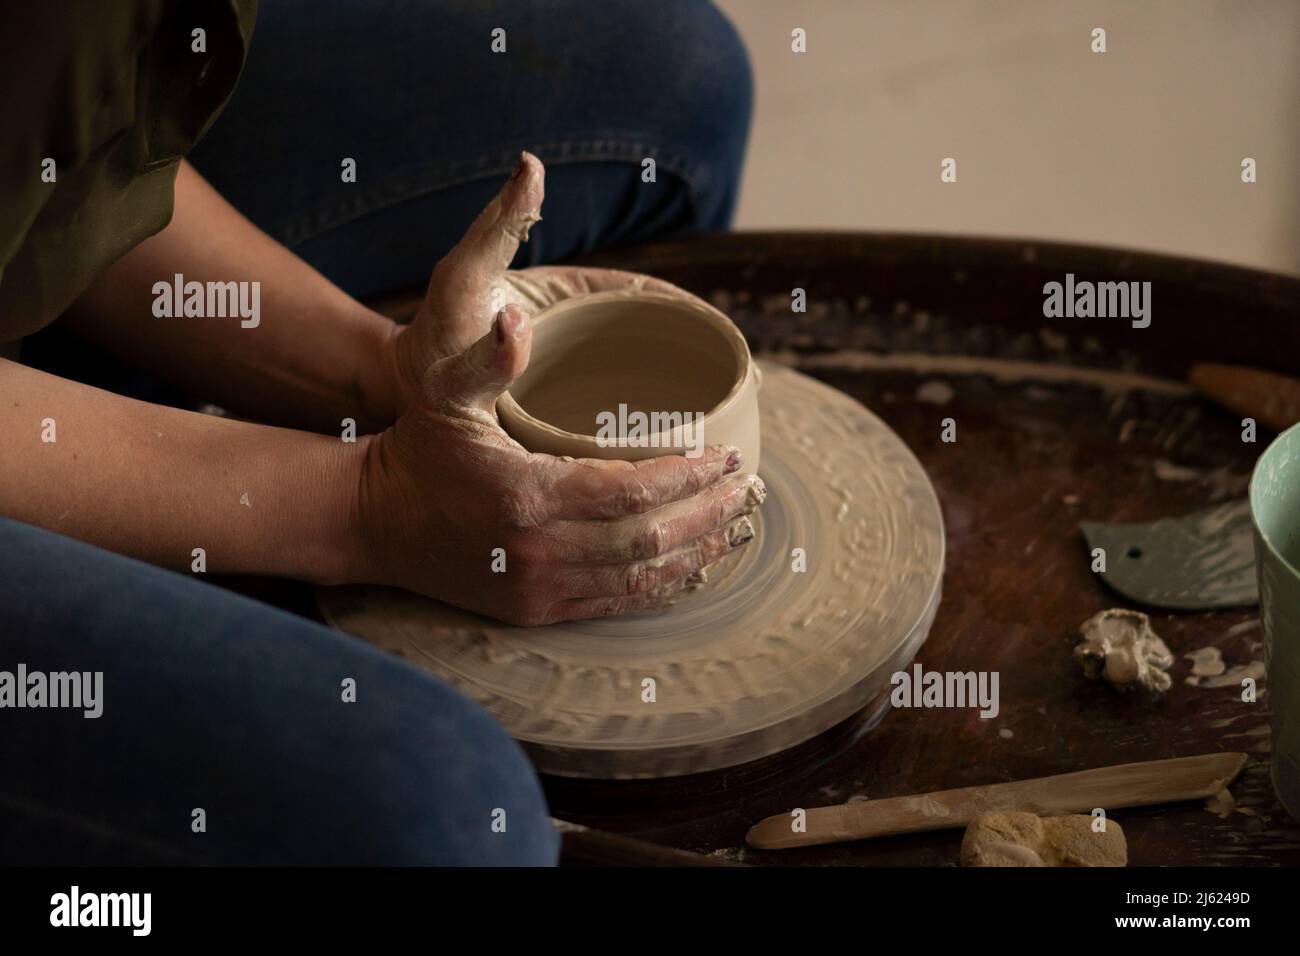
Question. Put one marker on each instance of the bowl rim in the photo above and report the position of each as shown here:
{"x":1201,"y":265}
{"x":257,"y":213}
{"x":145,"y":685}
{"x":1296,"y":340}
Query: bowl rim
{"x":1276,"y":447}
{"x":684,"y":301}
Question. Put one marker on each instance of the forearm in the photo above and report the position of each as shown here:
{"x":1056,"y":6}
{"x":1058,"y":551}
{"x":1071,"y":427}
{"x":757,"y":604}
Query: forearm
{"x":314,"y":357}
{"x":157,"y":483}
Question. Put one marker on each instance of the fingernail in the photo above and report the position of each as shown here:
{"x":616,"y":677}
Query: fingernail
{"x":733,"y":461}
{"x":697,"y":579}
{"x":520,"y":166}
{"x":755,"y":493}
{"x":740,"y":531}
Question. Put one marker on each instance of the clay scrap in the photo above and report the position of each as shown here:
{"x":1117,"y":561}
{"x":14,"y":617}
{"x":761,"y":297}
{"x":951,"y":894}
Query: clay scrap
{"x":1026,"y":839}
{"x":1206,"y":662}
{"x":1120,"y":646}
{"x":1232,"y":677}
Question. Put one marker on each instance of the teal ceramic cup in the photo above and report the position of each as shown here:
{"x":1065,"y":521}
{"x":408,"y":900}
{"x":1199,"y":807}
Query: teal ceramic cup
{"x":1275,"y":509}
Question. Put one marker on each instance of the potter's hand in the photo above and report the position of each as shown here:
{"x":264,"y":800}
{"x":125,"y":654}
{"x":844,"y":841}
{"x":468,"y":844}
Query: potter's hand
{"x":473,"y":283}
{"x":445,"y":487}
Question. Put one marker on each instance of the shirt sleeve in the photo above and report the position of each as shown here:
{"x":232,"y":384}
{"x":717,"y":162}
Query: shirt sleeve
{"x":103,"y":97}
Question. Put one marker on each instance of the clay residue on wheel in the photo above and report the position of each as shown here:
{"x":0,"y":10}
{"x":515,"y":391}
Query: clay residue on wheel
{"x":761,"y":658}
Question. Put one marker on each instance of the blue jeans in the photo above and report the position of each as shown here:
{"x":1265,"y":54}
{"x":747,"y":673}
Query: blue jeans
{"x":225,"y":736}
{"x":435,"y":121}
{"x":211,"y":702}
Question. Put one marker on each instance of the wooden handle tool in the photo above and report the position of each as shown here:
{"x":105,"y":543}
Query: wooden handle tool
{"x":583,"y":846}
{"x":1111,"y":788}
{"x":1270,"y":398}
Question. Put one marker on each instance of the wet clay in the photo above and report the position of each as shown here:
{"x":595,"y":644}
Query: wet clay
{"x":761,"y":658}
{"x":630,"y":352}
{"x":645,"y":355}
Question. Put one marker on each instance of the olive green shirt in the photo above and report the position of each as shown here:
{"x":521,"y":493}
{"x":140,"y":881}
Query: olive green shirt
{"x":114,"y":93}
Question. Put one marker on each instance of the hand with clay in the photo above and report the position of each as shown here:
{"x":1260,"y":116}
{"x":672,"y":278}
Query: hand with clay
{"x":474,"y":282}
{"x":445,"y":486}
{"x":421,"y":505}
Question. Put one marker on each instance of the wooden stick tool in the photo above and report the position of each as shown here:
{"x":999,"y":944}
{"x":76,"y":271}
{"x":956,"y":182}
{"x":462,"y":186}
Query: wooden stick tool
{"x":1111,"y":788}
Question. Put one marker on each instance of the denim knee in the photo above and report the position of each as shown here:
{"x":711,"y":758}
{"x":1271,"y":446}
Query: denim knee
{"x":705,"y":72}
{"x":213,"y":701}
{"x":459,"y":791}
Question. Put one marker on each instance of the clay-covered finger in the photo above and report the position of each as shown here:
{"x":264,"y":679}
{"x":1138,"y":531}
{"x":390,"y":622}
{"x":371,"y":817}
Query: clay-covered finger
{"x":652,"y":574}
{"x":659,"y":533}
{"x":494,"y":236}
{"x":579,"y":609}
{"x":588,"y":488}
{"x":463,"y":281}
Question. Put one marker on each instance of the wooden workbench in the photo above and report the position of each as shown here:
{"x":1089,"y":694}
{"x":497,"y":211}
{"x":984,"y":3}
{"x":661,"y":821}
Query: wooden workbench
{"x":1058,"y":421}
{"x":1075,"y":434}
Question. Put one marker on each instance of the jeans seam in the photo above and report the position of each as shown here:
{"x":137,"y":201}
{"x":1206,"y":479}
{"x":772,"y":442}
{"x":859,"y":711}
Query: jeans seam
{"x":401,"y":189}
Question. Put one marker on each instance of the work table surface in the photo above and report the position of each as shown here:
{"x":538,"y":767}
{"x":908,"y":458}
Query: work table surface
{"x":1056,"y":423}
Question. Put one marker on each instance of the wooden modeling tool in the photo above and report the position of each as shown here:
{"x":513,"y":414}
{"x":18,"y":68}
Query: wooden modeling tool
{"x":1270,"y":398}
{"x":1111,"y":788}
{"x":583,"y":846}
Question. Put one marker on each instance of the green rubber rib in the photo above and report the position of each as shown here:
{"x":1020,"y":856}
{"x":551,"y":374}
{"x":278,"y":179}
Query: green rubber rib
{"x":1203,"y":560}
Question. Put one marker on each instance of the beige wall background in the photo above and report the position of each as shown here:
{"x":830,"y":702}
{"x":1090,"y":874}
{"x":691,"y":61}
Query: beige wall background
{"x":1140,"y":146}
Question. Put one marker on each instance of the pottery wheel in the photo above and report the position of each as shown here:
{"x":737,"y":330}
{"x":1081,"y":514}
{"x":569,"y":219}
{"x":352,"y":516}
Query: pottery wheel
{"x":760,"y":659}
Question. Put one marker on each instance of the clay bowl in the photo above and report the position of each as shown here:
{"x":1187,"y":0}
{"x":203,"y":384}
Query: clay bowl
{"x":598,"y":360}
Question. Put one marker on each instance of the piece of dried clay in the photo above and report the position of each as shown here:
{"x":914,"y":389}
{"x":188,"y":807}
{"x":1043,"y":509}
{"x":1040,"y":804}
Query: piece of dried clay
{"x":1221,"y":803}
{"x":1233,"y":677}
{"x":1025,"y":839}
{"x":1206,"y":662}
{"x":523,"y":224}
{"x":1120,"y":646}
{"x":740,"y":531}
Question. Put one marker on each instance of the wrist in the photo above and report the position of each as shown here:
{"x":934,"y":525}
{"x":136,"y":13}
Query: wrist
{"x":380,"y":381}
{"x":329,"y":546}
